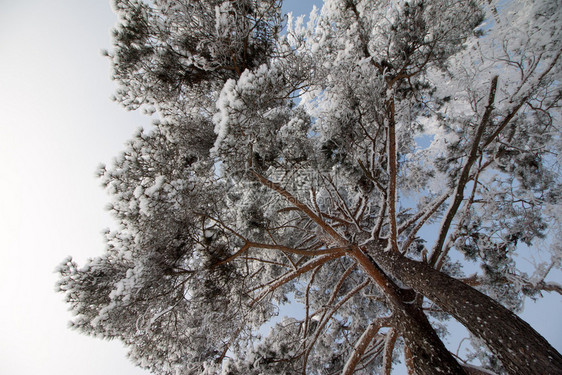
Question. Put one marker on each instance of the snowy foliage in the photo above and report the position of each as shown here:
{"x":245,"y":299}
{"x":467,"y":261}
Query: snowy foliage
{"x":359,"y":165}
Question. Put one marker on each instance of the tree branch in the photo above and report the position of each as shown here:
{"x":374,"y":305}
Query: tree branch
{"x":475,"y":280}
{"x":360,"y":347}
{"x":422,"y":217}
{"x":391,"y":337}
{"x":328,"y":315}
{"x":464,"y":176}
{"x":391,"y":189}
{"x":303,"y":207}
{"x":310,"y":265}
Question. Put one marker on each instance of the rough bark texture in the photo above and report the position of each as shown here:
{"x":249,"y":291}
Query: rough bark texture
{"x":429,"y":354}
{"x":519,"y":347}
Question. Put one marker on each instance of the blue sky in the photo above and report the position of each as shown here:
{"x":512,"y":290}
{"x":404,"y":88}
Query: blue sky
{"x":57,"y":125}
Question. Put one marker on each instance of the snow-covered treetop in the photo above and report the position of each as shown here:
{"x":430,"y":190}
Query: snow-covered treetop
{"x":291,"y":167}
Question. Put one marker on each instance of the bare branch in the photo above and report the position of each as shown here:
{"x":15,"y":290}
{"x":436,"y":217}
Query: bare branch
{"x":318,"y":261}
{"x":328,"y":315}
{"x":391,"y":189}
{"x":360,"y":347}
{"x":422,"y":217}
{"x":242,"y":250}
{"x":409,"y":361}
{"x":391,"y":337}
{"x":303,"y":207}
{"x":546,"y":286}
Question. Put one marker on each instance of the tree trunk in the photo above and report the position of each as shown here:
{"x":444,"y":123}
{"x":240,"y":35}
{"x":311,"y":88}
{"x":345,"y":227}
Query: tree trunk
{"x":520,"y":348}
{"x":429,"y":354}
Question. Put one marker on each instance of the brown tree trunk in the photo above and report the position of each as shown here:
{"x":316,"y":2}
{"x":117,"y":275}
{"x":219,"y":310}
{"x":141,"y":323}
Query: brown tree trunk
{"x":520,"y":348}
{"x":429,"y":354}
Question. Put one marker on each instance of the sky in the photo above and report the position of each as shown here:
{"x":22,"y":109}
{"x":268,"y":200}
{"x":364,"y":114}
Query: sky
{"x":57,"y":124}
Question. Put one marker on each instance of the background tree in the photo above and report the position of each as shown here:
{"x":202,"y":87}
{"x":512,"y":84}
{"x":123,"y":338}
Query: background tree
{"x":301,"y":168}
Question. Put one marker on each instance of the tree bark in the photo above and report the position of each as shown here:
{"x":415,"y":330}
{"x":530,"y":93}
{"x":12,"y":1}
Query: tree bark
{"x":429,"y":354}
{"x":520,"y":348}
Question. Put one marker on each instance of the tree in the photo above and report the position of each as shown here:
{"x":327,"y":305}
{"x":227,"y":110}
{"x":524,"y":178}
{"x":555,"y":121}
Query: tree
{"x":302,"y":168}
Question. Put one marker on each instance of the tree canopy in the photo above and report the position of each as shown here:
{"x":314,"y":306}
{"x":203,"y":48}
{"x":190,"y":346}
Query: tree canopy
{"x":384,"y":164}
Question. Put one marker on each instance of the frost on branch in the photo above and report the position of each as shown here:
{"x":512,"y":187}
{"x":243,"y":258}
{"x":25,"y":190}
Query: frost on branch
{"x":385,"y":163}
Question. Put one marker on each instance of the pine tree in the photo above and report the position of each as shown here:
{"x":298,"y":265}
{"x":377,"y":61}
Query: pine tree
{"x":303,"y":167}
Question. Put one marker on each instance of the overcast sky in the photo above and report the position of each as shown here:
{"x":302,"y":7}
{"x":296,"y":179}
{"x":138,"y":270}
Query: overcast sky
{"x":57,"y":125}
